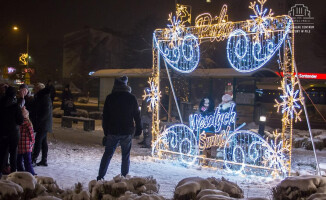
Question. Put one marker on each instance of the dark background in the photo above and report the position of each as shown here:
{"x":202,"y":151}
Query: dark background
{"x":47,"y":21}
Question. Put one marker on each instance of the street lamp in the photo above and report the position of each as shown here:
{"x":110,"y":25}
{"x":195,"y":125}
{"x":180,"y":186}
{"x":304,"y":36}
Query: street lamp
{"x":16,"y":28}
{"x":262,"y":121}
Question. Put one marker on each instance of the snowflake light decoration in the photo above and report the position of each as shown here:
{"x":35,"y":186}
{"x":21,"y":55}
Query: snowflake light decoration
{"x":176,"y":29}
{"x":260,"y":24}
{"x":275,"y":154}
{"x":290,"y":104}
{"x":151,"y":94}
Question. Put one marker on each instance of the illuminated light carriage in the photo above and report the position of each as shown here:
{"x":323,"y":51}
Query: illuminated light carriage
{"x":250,"y":44}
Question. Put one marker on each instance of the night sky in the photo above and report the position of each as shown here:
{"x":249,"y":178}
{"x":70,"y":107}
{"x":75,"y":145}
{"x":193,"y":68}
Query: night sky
{"x":47,"y":21}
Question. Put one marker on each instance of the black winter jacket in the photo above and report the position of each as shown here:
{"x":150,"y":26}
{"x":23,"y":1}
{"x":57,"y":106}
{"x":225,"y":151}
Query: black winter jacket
{"x":120,"y":113}
{"x":42,"y":111}
{"x":10,"y":118}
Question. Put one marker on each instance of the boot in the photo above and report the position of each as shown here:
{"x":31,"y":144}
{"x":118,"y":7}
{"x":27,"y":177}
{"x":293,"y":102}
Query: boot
{"x":33,"y":162}
{"x":43,"y":162}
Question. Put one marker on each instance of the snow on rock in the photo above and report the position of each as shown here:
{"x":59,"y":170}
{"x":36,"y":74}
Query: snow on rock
{"x":299,"y":142}
{"x":319,"y":144}
{"x":121,"y":186}
{"x":95,"y":115}
{"x":227,"y":186}
{"x":299,"y":187}
{"x":317,"y":196}
{"x":215,"y":197}
{"x":10,"y":190}
{"x":25,"y":179}
{"x":83,"y":195}
{"x":188,"y":188}
{"x":46,"y":198}
{"x":57,"y":112}
{"x":131,"y":196}
{"x":81,"y":113}
{"x":211,"y":192}
{"x":49,"y":183}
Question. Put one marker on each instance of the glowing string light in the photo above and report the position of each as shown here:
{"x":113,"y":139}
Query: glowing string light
{"x":23,"y":58}
{"x":290,"y":104}
{"x":217,"y":120}
{"x":151,"y":95}
{"x":249,"y":50}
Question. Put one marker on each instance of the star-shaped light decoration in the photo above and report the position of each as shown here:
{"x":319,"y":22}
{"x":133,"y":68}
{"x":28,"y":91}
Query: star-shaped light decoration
{"x":176,"y":28}
{"x":290,"y":104}
{"x":260,"y":25}
{"x":275,"y":155}
{"x":152,"y":94}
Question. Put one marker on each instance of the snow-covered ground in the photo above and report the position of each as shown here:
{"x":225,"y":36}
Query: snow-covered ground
{"x":74,"y":156}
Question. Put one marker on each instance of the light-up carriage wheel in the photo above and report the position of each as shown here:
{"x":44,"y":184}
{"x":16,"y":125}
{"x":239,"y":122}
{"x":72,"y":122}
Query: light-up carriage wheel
{"x":177,"y":140}
{"x":244,"y":148}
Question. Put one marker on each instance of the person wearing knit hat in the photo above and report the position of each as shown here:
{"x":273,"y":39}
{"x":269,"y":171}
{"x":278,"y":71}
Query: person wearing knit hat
{"x":120,"y":115}
{"x":120,"y":84}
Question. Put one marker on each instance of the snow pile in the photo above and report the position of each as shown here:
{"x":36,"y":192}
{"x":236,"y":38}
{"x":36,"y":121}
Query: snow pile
{"x":81,"y":113}
{"x":46,"y":198}
{"x":57,"y":112}
{"x":10,"y":190}
{"x":125,"y":188}
{"x":204,"y":189}
{"x":77,"y":194}
{"x":317,"y":196}
{"x":95,"y":115}
{"x":49,"y":184}
{"x":227,"y":186}
{"x":300,"y":187}
{"x":25,"y":179}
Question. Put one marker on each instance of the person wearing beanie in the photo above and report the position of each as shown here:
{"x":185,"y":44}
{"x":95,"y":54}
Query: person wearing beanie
{"x":24,"y":97}
{"x":10,"y":118}
{"x":120,"y":113}
{"x":42,"y":122}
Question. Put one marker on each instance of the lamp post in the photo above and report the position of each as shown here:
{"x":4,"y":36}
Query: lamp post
{"x":262,"y":121}
{"x":16,"y":28}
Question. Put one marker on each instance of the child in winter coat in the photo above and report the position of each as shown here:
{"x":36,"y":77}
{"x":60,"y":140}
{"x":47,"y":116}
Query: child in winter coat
{"x":25,"y":145}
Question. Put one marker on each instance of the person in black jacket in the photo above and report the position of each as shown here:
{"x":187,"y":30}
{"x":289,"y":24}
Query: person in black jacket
{"x":120,"y":112}
{"x":10,"y":118}
{"x":42,"y":122}
{"x":67,"y":104}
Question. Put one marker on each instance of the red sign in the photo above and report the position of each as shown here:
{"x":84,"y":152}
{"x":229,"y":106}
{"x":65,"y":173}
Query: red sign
{"x":309,"y":76}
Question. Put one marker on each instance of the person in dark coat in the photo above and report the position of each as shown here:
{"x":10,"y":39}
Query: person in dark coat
{"x":10,"y":118}
{"x":52,"y":90}
{"x":67,"y":104}
{"x":120,"y":113}
{"x":146,"y":118}
{"x":42,"y":122}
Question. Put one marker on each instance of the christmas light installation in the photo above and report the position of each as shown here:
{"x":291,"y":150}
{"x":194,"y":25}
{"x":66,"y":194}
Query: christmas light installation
{"x":248,"y":149}
{"x":23,"y":58}
{"x":250,"y":48}
{"x":218,"y":120}
{"x":179,"y":139}
{"x":292,"y":99}
{"x":180,"y":50}
{"x":251,"y":44}
{"x":151,"y":95}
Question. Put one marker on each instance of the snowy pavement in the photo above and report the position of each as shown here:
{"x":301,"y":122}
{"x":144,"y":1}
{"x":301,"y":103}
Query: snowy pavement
{"x":74,"y":156}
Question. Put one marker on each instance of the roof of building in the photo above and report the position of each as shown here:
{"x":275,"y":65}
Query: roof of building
{"x":217,"y":73}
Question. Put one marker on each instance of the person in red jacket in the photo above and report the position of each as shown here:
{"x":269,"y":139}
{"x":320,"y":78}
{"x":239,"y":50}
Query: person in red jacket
{"x":25,"y":145}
